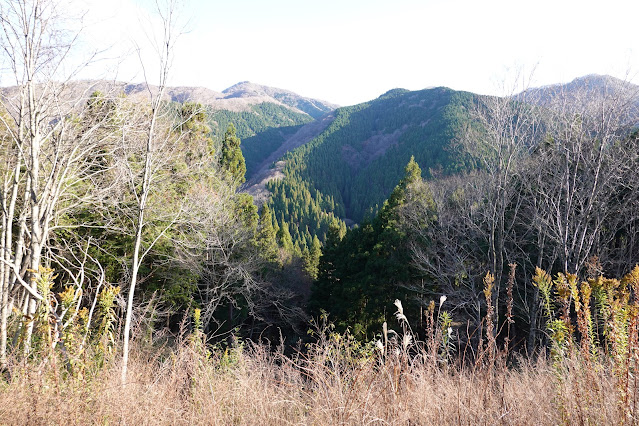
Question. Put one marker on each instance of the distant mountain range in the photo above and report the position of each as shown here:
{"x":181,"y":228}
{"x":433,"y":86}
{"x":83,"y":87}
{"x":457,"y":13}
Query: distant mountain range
{"x":581,"y":86}
{"x":250,"y":91}
{"x":355,"y":155}
{"x":237,"y":98}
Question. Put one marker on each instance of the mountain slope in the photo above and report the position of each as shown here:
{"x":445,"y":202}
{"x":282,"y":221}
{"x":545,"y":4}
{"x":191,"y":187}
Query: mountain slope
{"x":581,"y":90}
{"x":346,"y":165}
{"x":359,"y":158}
{"x":252,"y":108}
{"x":281,"y":141}
{"x":263,"y":129}
{"x":264,"y":117}
{"x":240,"y":97}
{"x":247,"y":90}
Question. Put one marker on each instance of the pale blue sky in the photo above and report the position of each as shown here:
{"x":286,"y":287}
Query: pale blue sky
{"x":351,"y":51}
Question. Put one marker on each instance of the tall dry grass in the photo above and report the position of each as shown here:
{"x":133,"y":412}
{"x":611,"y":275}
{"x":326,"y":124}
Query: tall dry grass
{"x":337,"y":381}
{"x":587,"y":377}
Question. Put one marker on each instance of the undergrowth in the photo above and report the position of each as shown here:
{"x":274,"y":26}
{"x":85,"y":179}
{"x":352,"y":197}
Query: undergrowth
{"x":588,"y":376}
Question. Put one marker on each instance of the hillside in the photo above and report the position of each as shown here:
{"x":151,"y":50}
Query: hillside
{"x":265,"y":117}
{"x":263,"y":129}
{"x":247,"y":90}
{"x":581,"y":89}
{"x":262,"y":169}
{"x":253,"y":109}
{"x":354,"y":163}
{"x":357,"y":155}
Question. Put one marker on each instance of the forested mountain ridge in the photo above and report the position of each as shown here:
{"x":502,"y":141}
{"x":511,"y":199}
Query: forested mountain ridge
{"x":268,"y":118}
{"x":237,"y":98}
{"x":356,"y":161}
{"x":543,"y":184}
{"x":592,"y":83}
{"x":263,"y":129}
{"x":253,"y":109}
{"x":359,"y":157}
{"x":269,"y":167}
{"x":247,"y":90}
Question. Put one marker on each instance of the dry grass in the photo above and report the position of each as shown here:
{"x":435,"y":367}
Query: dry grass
{"x":588,"y":378}
{"x":335,"y":382}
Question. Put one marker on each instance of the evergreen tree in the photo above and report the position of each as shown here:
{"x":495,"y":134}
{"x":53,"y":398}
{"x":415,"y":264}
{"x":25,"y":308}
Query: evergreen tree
{"x":361,"y":273}
{"x":267,"y":236}
{"x":231,"y":158}
{"x":246,"y":210}
{"x":285,"y":239}
{"x":312,"y":257}
{"x":389,"y":213}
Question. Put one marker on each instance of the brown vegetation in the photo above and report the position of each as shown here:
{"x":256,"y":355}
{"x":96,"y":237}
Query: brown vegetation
{"x":339,"y":380}
{"x":251,"y":386}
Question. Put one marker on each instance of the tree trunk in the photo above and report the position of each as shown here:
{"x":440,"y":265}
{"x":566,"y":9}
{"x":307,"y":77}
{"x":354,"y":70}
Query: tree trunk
{"x":135,"y":264}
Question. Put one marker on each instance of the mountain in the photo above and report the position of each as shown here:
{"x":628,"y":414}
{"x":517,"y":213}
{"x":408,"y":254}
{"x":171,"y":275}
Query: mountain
{"x":74,"y":92}
{"x":247,"y":90}
{"x":581,"y":89}
{"x":263,"y":129}
{"x":264,"y":117}
{"x":360,"y":158}
{"x":237,"y":98}
{"x":262,"y":166}
{"x":346,"y":165}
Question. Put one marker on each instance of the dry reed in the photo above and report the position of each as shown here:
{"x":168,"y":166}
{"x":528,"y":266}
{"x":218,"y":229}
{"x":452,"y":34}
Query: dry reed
{"x":337,"y":381}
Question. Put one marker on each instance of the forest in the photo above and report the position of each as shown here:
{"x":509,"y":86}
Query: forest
{"x":430,"y":257}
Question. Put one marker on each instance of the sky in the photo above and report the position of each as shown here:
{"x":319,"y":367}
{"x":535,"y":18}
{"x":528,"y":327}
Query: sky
{"x":352,"y":51}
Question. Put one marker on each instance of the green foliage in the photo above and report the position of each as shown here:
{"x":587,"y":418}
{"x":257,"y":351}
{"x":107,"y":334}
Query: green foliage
{"x":312,"y":258}
{"x":582,"y":349}
{"x":108,"y":320}
{"x":231,"y":158}
{"x":362,"y":272}
{"x":306,"y":214}
{"x":262,"y":130}
{"x":543,"y":281}
{"x":447,"y":346}
{"x":284,"y":238}
{"x":337,"y":174}
{"x":246,"y":210}
{"x":344,"y":162}
{"x":614,"y":312}
{"x":192,"y":122}
{"x":267,"y":236}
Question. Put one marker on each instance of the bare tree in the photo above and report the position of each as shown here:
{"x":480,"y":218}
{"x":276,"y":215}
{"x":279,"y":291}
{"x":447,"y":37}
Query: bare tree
{"x":158,"y":142}
{"x":51,"y":148}
{"x":446,"y":249}
{"x":217,"y":245}
{"x":502,"y":133}
{"x":556,"y":184}
{"x":587,"y":159}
